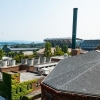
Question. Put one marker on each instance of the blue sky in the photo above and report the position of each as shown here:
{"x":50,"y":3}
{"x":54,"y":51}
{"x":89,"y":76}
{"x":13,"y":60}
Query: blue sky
{"x":35,"y":20}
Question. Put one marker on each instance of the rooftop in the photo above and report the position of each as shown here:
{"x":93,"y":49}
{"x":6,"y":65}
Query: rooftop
{"x":26,"y":49}
{"x":25,"y":76}
{"x":78,"y":74}
{"x":60,"y":57}
{"x":46,"y":64}
{"x":60,"y":38}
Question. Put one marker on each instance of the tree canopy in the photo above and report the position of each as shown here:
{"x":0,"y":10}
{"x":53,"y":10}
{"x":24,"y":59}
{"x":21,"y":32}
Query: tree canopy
{"x":2,"y":53}
{"x":58,"y":51}
{"x":65,"y":48}
{"x":47,"y":51}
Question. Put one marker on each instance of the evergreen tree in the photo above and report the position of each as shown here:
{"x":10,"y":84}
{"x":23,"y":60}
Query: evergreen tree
{"x":65,"y":48}
{"x":2,"y":53}
{"x":47,"y":51}
{"x":6,"y":49}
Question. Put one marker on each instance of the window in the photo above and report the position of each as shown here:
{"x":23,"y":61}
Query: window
{"x":37,"y":84}
{"x":20,"y":97}
{"x":27,"y":87}
{"x":16,"y":91}
{"x":48,"y":96}
{"x":20,"y":90}
{"x":30,"y":85}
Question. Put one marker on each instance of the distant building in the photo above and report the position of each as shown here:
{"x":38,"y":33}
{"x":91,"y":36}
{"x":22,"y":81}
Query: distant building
{"x":63,"y":41}
{"x":40,"y":52}
{"x":23,"y":49}
{"x":27,"y":52}
{"x":74,"y":78}
{"x":90,"y":44}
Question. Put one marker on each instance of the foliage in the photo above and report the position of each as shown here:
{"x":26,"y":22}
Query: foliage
{"x":31,"y":45}
{"x":5,"y":48}
{"x":65,"y":48}
{"x":2,"y":53}
{"x":27,"y":98}
{"x":11,"y":54}
{"x":58,"y":51}
{"x":47,"y":51}
{"x":31,"y":56}
{"x":18,"y":57}
{"x":12,"y":89}
{"x":69,"y":53}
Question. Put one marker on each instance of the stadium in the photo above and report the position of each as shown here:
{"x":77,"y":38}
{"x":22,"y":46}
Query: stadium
{"x":63,"y":41}
{"x":80,"y":43}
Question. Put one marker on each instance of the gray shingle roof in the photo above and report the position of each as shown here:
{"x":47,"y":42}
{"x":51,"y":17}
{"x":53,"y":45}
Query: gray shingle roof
{"x":79,"y":74}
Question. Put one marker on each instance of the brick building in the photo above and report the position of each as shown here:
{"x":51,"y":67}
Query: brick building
{"x":74,"y":78}
{"x":19,"y":86}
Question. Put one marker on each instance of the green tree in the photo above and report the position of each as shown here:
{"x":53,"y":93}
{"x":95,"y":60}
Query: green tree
{"x":2,"y":53}
{"x":18,"y":57}
{"x":5,"y":48}
{"x":11,"y":54}
{"x":47,"y":51}
{"x":69,"y":53}
{"x":65,"y":48}
{"x":58,"y":51}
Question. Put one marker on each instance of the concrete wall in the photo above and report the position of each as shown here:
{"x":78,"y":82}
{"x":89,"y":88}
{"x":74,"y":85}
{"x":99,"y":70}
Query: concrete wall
{"x":30,"y":62}
{"x":48,"y":59}
{"x":36,"y":61}
{"x":25,"y":61}
{"x":13,"y":62}
{"x":4,"y":64}
{"x":42,"y":60}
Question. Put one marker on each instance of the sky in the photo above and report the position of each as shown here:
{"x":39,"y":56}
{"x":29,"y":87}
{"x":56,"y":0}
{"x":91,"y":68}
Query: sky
{"x":35,"y":20}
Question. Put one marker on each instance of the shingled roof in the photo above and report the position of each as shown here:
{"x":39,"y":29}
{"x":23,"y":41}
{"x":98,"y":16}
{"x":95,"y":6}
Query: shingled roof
{"x":79,"y":74}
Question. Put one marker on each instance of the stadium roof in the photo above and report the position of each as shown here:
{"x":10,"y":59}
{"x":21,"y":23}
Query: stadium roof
{"x":78,"y":74}
{"x":61,"y":41}
{"x":61,"y":38}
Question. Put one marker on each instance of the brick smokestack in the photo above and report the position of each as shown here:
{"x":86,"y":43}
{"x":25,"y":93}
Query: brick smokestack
{"x":74,"y":28}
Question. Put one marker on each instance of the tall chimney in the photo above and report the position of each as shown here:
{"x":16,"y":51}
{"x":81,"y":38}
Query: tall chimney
{"x":74,"y":28}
